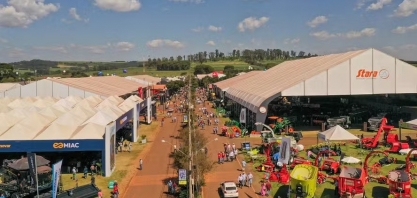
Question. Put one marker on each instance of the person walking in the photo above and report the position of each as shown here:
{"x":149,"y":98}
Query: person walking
{"x":243,"y":165}
{"x":140,"y":164}
{"x":250,"y":179}
{"x":170,"y":187}
{"x":74,"y":173}
{"x":268,"y":187}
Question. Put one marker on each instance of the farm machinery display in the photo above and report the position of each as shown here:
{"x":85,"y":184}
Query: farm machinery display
{"x":399,"y":181}
{"x":328,"y":164}
{"x":351,"y":181}
{"x":282,"y":175}
{"x":303,"y":181}
{"x":343,"y":121}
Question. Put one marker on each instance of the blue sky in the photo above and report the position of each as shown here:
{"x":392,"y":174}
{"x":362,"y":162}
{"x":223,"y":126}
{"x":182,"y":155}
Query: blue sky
{"x":109,"y":30}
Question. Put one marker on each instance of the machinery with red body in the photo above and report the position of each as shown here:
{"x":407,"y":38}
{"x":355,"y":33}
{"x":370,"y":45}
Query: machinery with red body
{"x":371,"y":143}
{"x":352,"y":180}
{"x":281,"y":176}
{"x":328,"y":164}
{"x":399,"y":181}
{"x":299,"y":160}
{"x":391,"y":139}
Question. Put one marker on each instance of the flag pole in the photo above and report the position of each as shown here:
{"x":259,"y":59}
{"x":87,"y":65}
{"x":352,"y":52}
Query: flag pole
{"x":36,"y":176}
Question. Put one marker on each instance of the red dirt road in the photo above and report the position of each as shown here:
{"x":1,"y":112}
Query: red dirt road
{"x":229,"y":171}
{"x":151,"y":182}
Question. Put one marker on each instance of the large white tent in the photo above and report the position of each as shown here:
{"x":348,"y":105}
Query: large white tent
{"x":412,"y":124}
{"x":337,"y":133}
{"x":49,"y":118}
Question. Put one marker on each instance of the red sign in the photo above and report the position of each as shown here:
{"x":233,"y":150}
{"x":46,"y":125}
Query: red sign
{"x":362,"y":73}
{"x":140,"y":92}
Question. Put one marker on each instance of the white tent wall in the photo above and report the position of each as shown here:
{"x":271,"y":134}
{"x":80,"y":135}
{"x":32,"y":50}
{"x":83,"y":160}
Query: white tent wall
{"x":44,"y":88}
{"x":110,"y":144}
{"x":391,"y":76}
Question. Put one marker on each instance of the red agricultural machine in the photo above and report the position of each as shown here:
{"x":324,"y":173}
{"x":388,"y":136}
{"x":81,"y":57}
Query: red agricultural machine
{"x":328,"y":164}
{"x":352,"y":180}
{"x":281,"y":176}
{"x":299,"y":160}
{"x":399,"y":181}
{"x":388,"y":139}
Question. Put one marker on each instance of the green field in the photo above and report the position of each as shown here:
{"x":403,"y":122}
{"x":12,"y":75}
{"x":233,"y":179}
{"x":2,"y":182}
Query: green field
{"x":372,"y":189}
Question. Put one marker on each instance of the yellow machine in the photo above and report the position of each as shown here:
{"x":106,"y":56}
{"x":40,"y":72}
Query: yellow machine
{"x":303,"y":181}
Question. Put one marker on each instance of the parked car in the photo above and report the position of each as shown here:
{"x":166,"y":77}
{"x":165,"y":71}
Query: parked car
{"x":229,"y":189}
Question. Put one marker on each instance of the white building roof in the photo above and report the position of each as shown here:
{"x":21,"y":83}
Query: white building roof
{"x":49,"y":118}
{"x":352,"y":73}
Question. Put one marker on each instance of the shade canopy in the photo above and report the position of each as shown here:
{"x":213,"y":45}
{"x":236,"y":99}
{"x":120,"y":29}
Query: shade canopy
{"x":22,"y":164}
{"x":412,"y":124}
{"x":337,"y":133}
{"x":351,"y":160}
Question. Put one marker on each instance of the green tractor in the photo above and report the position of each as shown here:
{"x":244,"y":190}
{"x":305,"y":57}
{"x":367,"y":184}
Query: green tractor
{"x":281,"y":124}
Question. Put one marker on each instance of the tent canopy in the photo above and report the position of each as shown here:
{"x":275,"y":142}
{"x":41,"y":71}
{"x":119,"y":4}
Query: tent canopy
{"x":412,"y":124}
{"x":56,"y":131}
{"x":337,"y":133}
{"x":90,"y":131}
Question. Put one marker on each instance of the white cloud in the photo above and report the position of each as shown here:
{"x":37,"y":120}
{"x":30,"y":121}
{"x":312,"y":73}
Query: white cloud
{"x":407,"y":51}
{"x":403,"y":30}
{"x":379,"y":4}
{"x":406,"y":8}
{"x":292,"y":41}
{"x":212,"y":43}
{"x":324,"y":35}
{"x":118,"y":5}
{"x":3,"y":40}
{"x":252,"y":23}
{"x":60,"y":49}
{"x":214,"y":28}
{"x":21,"y":13}
{"x":124,"y":46}
{"x":73,"y":13}
{"x":317,"y":21}
{"x":360,"y":4}
{"x":188,"y":1}
{"x":158,"y":43}
{"x":198,"y":29}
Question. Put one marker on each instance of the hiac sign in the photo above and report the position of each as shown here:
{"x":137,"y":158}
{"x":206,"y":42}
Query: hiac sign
{"x":363,"y":73}
{"x":60,"y":145}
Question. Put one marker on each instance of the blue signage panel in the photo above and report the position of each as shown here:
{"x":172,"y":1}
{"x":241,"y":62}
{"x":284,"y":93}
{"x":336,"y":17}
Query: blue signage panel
{"x":121,"y":122}
{"x":51,"y":145}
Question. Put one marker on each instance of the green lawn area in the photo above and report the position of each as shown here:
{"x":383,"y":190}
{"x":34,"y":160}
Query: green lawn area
{"x":132,"y":71}
{"x":372,"y":189}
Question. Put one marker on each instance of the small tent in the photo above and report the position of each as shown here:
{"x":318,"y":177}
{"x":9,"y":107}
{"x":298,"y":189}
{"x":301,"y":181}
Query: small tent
{"x":412,"y":124}
{"x":337,"y":133}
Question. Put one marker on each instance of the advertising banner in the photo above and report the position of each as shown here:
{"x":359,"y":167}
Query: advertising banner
{"x":149,"y":110}
{"x":182,"y":177}
{"x":121,"y":122}
{"x":51,"y":145}
{"x":56,"y":173}
{"x":285,"y":150}
{"x":242,"y":117}
{"x":33,"y":170}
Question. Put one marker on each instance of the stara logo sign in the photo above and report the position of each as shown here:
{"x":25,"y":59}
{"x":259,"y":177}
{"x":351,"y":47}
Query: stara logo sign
{"x":60,"y":145}
{"x":363,"y":73}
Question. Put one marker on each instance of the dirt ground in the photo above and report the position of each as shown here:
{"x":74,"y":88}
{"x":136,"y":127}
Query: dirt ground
{"x":157,"y":170}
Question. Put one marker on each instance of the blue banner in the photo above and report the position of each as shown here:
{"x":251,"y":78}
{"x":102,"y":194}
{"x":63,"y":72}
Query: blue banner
{"x":56,"y":168}
{"x":51,"y":145}
{"x":126,"y":117}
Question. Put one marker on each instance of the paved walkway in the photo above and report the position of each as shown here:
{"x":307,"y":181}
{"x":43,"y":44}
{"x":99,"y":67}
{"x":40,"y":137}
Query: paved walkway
{"x":157,"y":165}
{"x":229,"y":171}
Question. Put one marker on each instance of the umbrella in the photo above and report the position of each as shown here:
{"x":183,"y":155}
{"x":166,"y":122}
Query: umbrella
{"x":351,"y":160}
{"x":22,"y":164}
{"x":406,"y":151}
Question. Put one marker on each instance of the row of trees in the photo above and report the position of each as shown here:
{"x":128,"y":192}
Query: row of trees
{"x":166,"y":65}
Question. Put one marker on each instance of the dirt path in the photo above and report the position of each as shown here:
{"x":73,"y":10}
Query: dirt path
{"x":157,"y":170}
{"x":229,"y":171}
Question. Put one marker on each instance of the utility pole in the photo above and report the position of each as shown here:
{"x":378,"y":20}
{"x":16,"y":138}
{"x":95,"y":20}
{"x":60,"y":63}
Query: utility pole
{"x":189,"y":140}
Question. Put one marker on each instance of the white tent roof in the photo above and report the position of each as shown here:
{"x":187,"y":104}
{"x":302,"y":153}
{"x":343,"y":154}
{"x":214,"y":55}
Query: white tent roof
{"x":29,"y":99}
{"x":94,"y":99}
{"x":56,"y":132}
{"x":52,"y":111}
{"x":19,"y":113}
{"x":89,"y":131}
{"x":83,"y":112}
{"x":112,"y":111}
{"x":127,"y":105}
{"x":73,"y":99}
{"x":7,"y":122}
{"x":47,"y":98}
{"x":412,"y":122}
{"x":100,"y":118}
{"x":4,"y":108}
{"x":27,"y":129}
{"x":7,"y":100}
{"x":36,"y":120}
{"x":42,"y":103}
{"x":337,"y":133}
{"x":115,"y":99}
{"x":65,"y":103}
{"x":69,"y":119}
{"x":18,"y":103}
